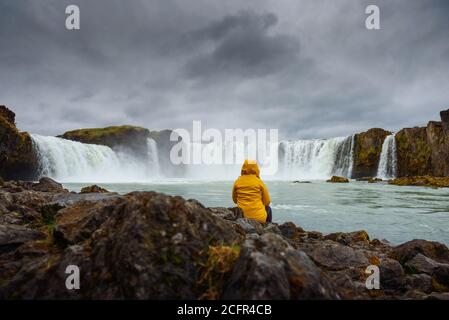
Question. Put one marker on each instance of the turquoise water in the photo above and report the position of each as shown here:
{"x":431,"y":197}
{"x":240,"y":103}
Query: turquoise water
{"x":397,"y":214}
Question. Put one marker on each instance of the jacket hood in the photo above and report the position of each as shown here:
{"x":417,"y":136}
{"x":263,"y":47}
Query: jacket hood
{"x":250,"y":167}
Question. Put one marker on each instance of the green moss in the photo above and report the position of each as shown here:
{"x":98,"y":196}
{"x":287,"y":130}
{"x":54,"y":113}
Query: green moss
{"x":414,"y":152}
{"x":99,"y":133}
{"x":8,"y":125}
{"x":219,"y":263}
{"x":438,"y":286}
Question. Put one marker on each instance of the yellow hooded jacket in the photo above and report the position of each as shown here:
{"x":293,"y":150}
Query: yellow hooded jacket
{"x":250,"y":193}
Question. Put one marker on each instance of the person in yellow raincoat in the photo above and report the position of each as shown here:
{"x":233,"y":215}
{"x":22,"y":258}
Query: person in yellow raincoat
{"x":251,"y":194}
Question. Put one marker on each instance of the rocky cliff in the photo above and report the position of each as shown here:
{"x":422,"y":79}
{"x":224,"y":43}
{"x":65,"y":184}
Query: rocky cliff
{"x":17,"y":157}
{"x":131,"y":138}
{"x":367,"y":150}
{"x":424,"y":150}
{"x":147,"y":245}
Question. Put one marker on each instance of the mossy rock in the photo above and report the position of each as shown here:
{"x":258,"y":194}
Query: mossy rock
{"x":18,"y":159}
{"x":108,"y":136}
{"x":367,"y":150}
{"x":414,"y":152}
{"x":421,"y":181}
{"x":336,"y":179}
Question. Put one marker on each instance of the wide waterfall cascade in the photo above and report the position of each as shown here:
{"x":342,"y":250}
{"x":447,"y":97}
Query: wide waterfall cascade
{"x":318,"y":158}
{"x":223,"y":161}
{"x":387,"y":168}
{"x":71,"y":161}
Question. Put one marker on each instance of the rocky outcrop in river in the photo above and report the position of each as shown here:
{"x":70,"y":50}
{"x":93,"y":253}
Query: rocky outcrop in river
{"x":147,"y":245}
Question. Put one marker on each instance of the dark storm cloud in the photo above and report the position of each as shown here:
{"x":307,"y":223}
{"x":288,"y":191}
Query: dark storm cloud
{"x":242,"y":46}
{"x":309,"y":68}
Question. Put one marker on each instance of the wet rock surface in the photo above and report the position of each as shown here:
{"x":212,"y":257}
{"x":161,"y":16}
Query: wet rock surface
{"x":336,"y":179}
{"x":93,"y":189}
{"x":421,"y":181}
{"x":367,"y":150}
{"x":147,"y":245}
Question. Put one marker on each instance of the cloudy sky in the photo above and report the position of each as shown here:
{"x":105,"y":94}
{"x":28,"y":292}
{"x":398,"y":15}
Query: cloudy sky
{"x":307,"y":67}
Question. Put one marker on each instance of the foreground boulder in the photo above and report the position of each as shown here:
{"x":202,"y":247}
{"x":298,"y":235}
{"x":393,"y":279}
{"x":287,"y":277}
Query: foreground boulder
{"x":270,"y":268}
{"x":147,"y":245}
{"x":46,"y":184}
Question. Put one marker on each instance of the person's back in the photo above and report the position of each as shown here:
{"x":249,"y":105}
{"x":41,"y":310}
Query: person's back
{"x":250,"y":193}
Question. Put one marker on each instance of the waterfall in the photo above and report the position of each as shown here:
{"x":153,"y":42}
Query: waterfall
{"x":387,"y":168}
{"x":153,"y":157}
{"x":318,"y":159}
{"x":71,"y":161}
{"x":344,"y":158}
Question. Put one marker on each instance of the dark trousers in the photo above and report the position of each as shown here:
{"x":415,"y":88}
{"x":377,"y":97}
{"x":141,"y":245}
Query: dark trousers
{"x":269,"y":213}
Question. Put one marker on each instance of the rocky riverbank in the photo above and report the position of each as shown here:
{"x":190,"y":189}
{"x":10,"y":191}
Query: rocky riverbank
{"x":147,"y":245}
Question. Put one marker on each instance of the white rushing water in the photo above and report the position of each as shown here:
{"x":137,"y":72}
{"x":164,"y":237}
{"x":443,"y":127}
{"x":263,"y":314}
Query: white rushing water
{"x":318,"y":159}
{"x":71,"y":161}
{"x":387,"y":168}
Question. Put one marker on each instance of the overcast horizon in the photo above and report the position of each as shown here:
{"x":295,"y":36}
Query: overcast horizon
{"x":308,"y":68}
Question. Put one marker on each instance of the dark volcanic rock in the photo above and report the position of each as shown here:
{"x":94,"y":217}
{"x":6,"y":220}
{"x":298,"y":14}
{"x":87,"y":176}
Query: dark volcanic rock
{"x":146,"y":245}
{"x":250,"y":225}
{"x":16,"y":235}
{"x":48,"y":185}
{"x":349,"y":238}
{"x":269,"y":268}
{"x":335,"y":179}
{"x":431,"y":249}
{"x":335,"y":256}
{"x":291,"y":231}
{"x":142,"y":245}
{"x":93,"y":189}
{"x":421,"y":181}
{"x":392,"y":275}
{"x":18,"y":159}
{"x":424,"y":151}
{"x":227,"y":213}
{"x":368,"y":147}
{"x":421,"y":282}
{"x":421,"y":264}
